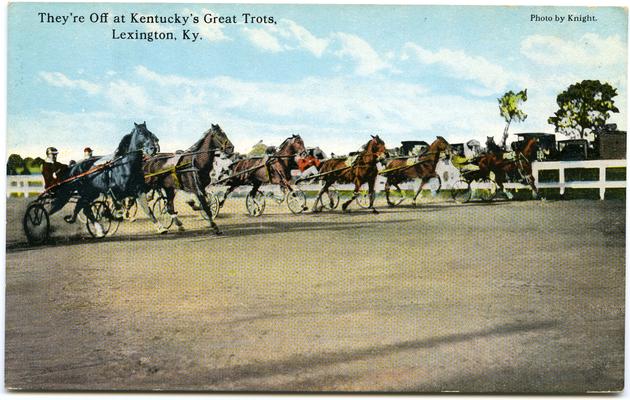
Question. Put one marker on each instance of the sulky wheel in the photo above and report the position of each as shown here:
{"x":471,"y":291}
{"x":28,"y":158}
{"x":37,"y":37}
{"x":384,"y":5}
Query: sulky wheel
{"x":213,"y":203}
{"x":461,"y":191}
{"x":103,"y":216}
{"x":296,"y":201}
{"x":330,"y":199}
{"x":364,"y":198}
{"x":488,"y":191}
{"x":160,"y":211}
{"x":117,"y":215}
{"x":394,"y":197}
{"x":255,"y":204}
{"x":36,"y":224}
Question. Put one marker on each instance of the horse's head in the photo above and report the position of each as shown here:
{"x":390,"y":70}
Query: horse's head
{"x":376,"y":146}
{"x":143,"y":139}
{"x":220,"y":140}
{"x":439,"y":146}
{"x":293,"y":145}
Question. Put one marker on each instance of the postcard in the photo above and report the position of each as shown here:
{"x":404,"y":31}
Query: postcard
{"x":315,"y":198}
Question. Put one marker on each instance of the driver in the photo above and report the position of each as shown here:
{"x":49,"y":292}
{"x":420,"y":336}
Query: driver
{"x":52,"y":169}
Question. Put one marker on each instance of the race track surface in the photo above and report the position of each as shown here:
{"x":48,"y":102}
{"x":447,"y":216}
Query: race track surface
{"x":484,"y":297}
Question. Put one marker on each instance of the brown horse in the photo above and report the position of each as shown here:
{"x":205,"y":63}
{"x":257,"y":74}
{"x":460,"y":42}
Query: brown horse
{"x":188,"y":171}
{"x":273,"y":169}
{"x":519,"y":167}
{"x":362,"y":170}
{"x":407,"y":168}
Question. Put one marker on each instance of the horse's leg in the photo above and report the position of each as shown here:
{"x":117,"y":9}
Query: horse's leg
{"x":170,"y":207}
{"x":84,"y":204}
{"x":498,"y":178}
{"x":372,"y":194}
{"x":321,"y":192}
{"x":532,"y":183}
{"x":388,"y":185}
{"x":423,"y":182}
{"x":225,"y":195}
{"x":355,"y":194}
{"x":206,"y":208}
{"x":142,"y":200}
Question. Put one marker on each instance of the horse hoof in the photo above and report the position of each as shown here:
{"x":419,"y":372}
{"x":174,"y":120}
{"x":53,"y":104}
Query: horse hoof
{"x":162,"y":230}
{"x":132,"y":219}
{"x":218,"y":233}
{"x":181,"y":228}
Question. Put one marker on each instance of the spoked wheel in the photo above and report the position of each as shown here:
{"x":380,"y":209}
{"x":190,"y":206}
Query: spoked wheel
{"x":296,"y":201}
{"x":255,"y":204}
{"x":116,"y":215}
{"x":160,"y":211}
{"x":103,"y":217}
{"x":488,"y":191}
{"x":213,"y":203}
{"x":36,"y":224}
{"x":364,"y":198}
{"x":461,"y":191}
{"x":330,"y":199}
{"x":394,"y":197}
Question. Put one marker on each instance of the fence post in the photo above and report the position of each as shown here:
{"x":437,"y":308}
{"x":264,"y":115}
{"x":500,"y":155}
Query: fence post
{"x":561,"y":182}
{"x":602,"y":182}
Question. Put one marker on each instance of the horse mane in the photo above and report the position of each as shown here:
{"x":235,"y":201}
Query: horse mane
{"x":199,"y":142}
{"x":123,"y":146}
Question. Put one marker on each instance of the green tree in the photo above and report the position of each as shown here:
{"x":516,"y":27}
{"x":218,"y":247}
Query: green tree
{"x":34,"y":165}
{"x":15,"y":165}
{"x":583,"y":107}
{"x":509,"y":105}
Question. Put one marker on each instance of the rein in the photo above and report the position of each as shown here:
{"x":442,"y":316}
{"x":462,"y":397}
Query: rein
{"x":108,"y":164}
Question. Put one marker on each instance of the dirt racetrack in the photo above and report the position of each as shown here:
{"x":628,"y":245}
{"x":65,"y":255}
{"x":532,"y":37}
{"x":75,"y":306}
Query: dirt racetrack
{"x":507,"y":296}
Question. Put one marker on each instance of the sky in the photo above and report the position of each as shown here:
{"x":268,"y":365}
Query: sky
{"x":335,"y":74}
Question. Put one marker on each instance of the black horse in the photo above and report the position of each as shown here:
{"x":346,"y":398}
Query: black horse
{"x":118,"y":176}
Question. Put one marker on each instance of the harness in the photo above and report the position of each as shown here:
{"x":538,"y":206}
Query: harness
{"x":422,"y":158}
{"x":107,"y":165}
{"x":177,"y":168}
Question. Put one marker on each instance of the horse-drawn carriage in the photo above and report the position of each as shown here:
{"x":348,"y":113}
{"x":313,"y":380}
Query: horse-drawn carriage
{"x":97,"y":187}
{"x":486,"y":173}
{"x":270,"y":169}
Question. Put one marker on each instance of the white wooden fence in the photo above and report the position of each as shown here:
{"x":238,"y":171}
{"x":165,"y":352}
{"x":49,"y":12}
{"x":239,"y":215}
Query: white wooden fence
{"x":32,"y":185}
{"x":24,"y":185}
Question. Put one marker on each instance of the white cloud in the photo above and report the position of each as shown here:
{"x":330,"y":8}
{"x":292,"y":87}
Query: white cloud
{"x":367,"y":59}
{"x":337,"y":113}
{"x":58,"y":79}
{"x":126,"y":95}
{"x":263,"y":39}
{"x":492,"y":77}
{"x":590,"y":50}
{"x":285,"y":36}
{"x":305,"y":39}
